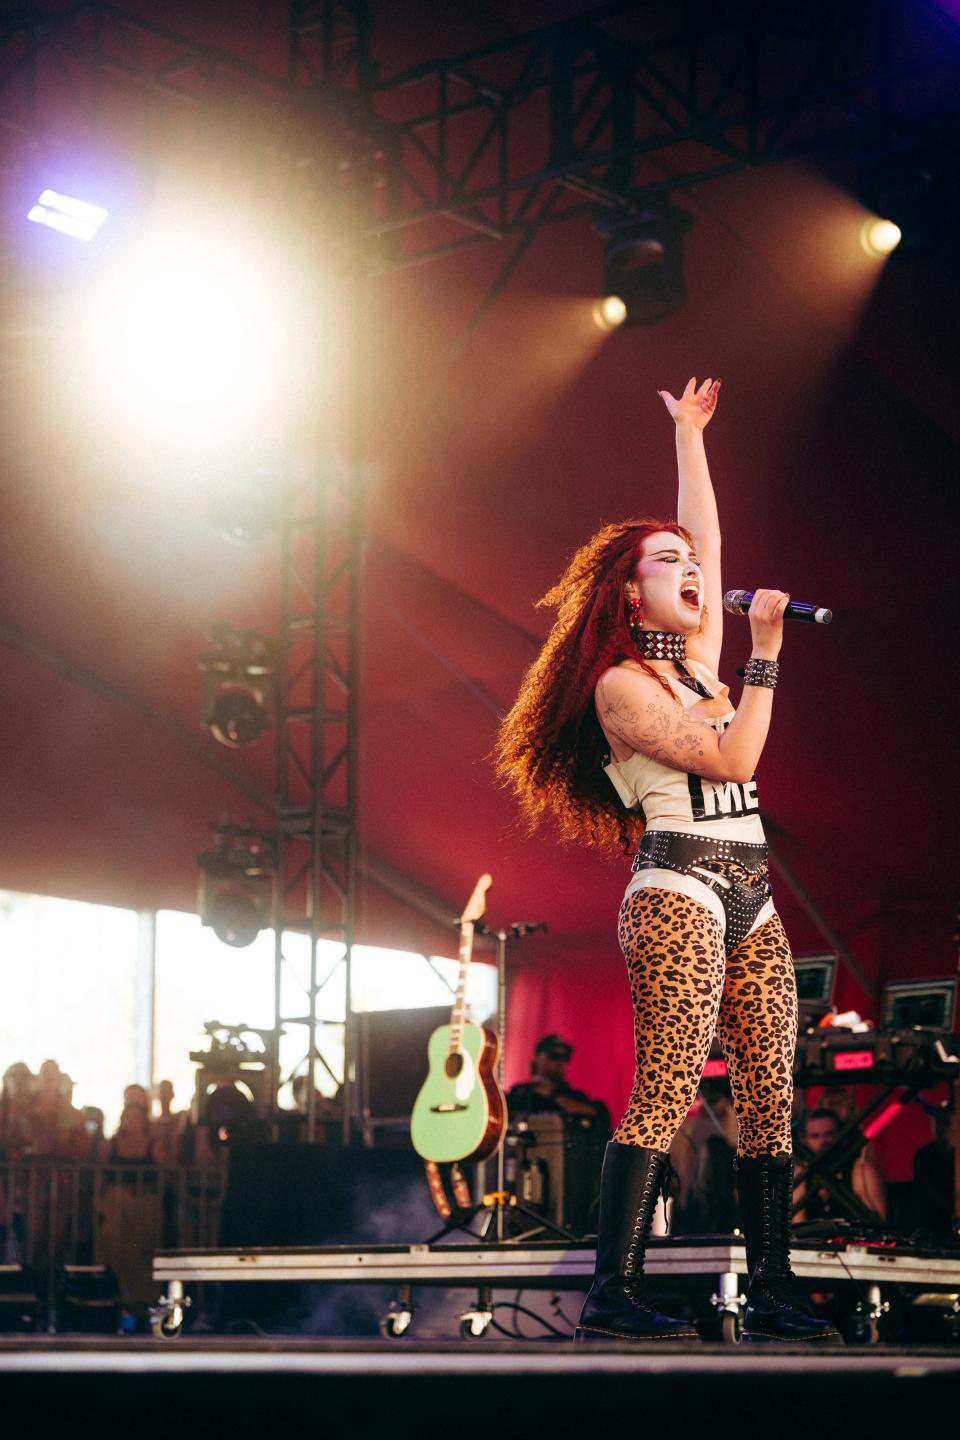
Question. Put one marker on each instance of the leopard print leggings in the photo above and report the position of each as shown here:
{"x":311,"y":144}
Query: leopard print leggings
{"x":683,"y":988}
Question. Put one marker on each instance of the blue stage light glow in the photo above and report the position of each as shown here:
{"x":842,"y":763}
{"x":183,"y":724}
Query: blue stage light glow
{"x":65,"y":213}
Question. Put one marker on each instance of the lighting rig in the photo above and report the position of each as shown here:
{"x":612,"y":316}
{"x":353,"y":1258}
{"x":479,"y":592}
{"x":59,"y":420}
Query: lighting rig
{"x":239,"y":686}
{"x":606,"y":112}
{"x":238,"y":877}
{"x":642,"y":264}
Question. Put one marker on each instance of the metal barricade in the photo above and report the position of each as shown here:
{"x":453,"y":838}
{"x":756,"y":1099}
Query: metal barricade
{"x":56,"y":1213}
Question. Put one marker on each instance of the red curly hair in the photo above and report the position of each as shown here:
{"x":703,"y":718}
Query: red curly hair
{"x":550,"y":748}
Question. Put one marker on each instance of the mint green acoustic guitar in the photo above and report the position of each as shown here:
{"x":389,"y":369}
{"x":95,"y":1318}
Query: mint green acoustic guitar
{"x":460,"y":1113}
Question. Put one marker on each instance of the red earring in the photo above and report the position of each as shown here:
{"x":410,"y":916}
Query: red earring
{"x":634,"y":614}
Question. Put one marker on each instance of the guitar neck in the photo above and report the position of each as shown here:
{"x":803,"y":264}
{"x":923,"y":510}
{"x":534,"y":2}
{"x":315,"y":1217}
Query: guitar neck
{"x":458,"y":1016}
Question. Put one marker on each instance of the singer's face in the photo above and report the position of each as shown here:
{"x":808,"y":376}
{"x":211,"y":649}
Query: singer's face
{"x":670,"y":583}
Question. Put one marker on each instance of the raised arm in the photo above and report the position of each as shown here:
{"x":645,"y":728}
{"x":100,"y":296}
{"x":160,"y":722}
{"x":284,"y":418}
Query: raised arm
{"x":697,"y":506}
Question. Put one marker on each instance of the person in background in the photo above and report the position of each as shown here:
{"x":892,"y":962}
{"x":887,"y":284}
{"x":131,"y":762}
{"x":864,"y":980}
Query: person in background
{"x":227,"y":1115}
{"x":54,"y":1123}
{"x":548,"y":1091}
{"x":933,"y":1176}
{"x":842,"y":1100}
{"x":130,"y":1216}
{"x":16,"y":1112}
{"x":132,"y":1140}
{"x":168,"y":1127}
{"x":859,"y":1174}
{"x":90,"y":1146}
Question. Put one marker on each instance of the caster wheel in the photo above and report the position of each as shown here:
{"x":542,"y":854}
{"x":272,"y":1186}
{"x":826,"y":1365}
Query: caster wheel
{"x":731,"y":1329}
{"x":169,"y":1325}
{"x":474,"y":1324}
{"x":395,"y":1323}
{"x":859,"y":1331}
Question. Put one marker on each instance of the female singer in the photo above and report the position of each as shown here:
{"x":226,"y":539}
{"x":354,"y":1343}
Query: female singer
{"x":623,"y":732}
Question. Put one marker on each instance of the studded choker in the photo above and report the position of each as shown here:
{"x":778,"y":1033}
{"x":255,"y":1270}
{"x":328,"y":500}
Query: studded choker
{"x":660,"y":644}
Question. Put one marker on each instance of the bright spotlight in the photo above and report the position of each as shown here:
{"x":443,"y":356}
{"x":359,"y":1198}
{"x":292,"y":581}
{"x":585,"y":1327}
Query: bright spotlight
{"x":609,"y":313}
{"x":204,"y":336}
{"x":70,"y":216}
{"x":879,"y":237}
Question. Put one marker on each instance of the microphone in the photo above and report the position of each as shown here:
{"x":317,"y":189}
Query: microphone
{"x":738,"y":602}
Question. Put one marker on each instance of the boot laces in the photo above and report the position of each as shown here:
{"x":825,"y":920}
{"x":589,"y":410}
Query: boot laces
{"x":633,"y":1290}
{"x":653,"y":1184}
{"x":776,"y":1211}
{"x":778,"y":1292}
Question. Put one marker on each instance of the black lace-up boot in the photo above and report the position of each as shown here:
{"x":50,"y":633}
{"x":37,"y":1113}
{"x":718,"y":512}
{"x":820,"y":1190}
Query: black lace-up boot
{"x":775,"y":1308}
{"x":617,"y":1306}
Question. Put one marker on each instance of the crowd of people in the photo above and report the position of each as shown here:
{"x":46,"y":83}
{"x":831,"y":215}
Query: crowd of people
{"x":39,"y":1121}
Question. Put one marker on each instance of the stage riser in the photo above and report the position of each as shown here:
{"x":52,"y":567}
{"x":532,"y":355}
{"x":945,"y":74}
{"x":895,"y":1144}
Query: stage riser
{"x":720,"y":1401}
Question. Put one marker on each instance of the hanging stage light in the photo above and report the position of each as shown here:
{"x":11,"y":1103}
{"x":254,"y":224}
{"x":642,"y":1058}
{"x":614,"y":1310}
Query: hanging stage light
{"x":643,"y":261}
{"x":237,"y":883}
{"x":239,"y":693}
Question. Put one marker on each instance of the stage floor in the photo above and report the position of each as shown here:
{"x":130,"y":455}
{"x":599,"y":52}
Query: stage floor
{"x":485,"y":1390}
{"x":41,"y":1354}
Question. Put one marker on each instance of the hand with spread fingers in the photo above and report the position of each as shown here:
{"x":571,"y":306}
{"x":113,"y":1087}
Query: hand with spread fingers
{"x":766,"y":613}
{"x":695,"y":406}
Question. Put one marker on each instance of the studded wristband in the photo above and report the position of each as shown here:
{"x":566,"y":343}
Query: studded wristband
{"x":761,"y":672}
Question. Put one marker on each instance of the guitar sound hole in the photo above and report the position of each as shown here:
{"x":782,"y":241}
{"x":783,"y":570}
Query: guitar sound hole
{"x":453,"y":1065}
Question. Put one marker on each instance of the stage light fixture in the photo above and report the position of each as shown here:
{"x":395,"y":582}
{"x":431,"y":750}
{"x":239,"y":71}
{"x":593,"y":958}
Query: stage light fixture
{"x":68,"y":215}
{"x":237,"y":883}
{"x":643,"y":261}
{"x":239,"y":688}
{"x":609,"y":313}
{"x":879,"y":238}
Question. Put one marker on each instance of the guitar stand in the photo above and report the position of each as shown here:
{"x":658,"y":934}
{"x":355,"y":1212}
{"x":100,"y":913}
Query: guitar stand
{"x":501,"y":1202}
{"x":498,"y":1204}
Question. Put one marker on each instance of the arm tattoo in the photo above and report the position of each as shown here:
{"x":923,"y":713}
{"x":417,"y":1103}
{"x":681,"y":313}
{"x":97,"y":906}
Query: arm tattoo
{"x":671,"y":738}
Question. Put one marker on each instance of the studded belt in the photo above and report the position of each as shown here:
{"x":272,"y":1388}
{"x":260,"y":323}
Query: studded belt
{"x":736,"y":872}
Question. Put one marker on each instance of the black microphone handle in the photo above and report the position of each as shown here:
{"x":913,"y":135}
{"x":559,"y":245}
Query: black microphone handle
{"x":738,"y":602}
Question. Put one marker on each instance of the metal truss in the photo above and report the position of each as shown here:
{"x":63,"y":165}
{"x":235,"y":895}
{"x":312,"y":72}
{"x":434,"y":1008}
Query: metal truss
{"x":116,"y":74}
{"x":316,"y":749}
{"x":628,"y":101}
{"x":638,"y":100}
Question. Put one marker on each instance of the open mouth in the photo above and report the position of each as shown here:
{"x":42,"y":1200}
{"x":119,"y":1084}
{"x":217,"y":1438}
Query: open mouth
{"x":690,"y":595}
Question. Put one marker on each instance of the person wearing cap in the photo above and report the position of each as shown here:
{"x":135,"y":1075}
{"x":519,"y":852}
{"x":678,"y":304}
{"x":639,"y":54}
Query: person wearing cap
{"x":549,"y":1091}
